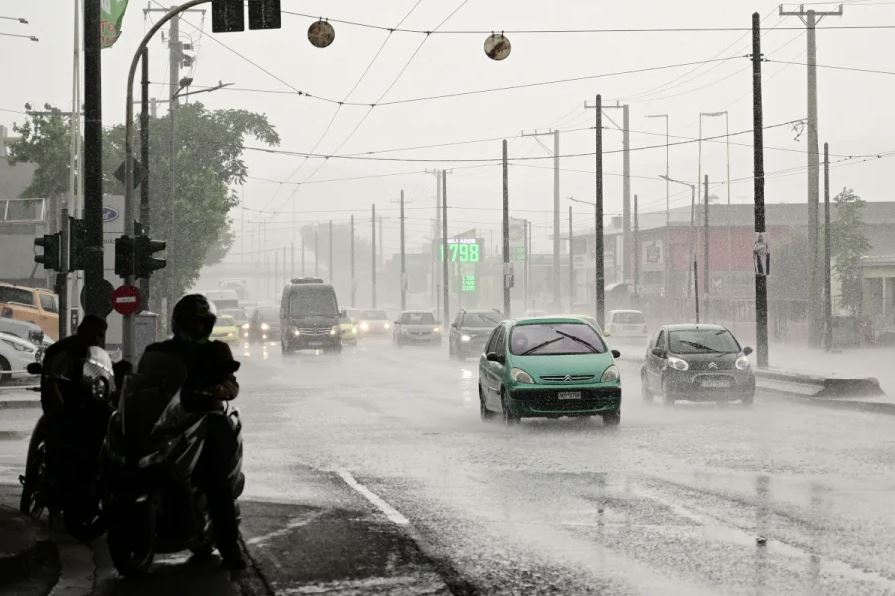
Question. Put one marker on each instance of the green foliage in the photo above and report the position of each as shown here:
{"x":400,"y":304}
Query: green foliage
{"x":45,"y":140}
{"x":849,"y":245}
{"x":790,"y":266}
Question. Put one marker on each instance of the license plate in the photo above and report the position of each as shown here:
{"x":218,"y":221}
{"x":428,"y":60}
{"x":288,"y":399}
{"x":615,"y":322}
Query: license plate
{"x":716,"y":383}
{"x":568,"y":395}
{"x":315,"y":344}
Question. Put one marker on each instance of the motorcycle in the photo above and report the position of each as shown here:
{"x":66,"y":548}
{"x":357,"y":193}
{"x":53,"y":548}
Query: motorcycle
{"x":61,"y":469}
{"x":151,"y":451}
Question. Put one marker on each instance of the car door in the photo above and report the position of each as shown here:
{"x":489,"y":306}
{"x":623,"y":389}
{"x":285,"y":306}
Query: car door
{"x":656,"y":364}
{"x":489,"y":381}
{"x":49,"y":311}
{"x":497,"y":368}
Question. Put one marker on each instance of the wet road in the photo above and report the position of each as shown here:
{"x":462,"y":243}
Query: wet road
{"x":782,"y":498}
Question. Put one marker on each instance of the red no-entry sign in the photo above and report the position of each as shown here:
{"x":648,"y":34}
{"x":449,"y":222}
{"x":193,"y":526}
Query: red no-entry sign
{"x":126,"y":300}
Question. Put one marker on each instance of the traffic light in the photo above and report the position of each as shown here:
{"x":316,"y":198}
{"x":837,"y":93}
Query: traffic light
{"x":52,"y":253}
{"x":77,"y":241}
{"x":124,"y":256}
{"x":264,"y":14}
{"x":227,"y":16}
{"x":144,"y":262}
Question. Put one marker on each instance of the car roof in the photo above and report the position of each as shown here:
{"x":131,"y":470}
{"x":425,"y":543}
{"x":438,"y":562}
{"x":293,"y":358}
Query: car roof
{"x":548,"y":320}
{"x":625,"y":310}
{"x":692,"y":326}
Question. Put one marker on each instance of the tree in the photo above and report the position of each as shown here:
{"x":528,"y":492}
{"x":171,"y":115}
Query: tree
{"x":45,"y":140}
{"x":790,"y":264}
{"x":849,"y":246}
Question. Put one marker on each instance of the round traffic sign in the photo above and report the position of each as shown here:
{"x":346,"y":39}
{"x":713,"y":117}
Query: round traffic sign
{"x":126,"y":299}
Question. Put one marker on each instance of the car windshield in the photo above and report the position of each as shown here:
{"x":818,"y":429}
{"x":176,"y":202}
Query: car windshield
{"x":310,"y":301}
{"x":16,"y":295}
{"x":418,"y":318}
{"x":553,"y":339}
{"x":702,"y":341}
{"x":374,"y":315}
{"x":628,"y":318}
{"x":225,"y":321}
{"x":481,"y":319}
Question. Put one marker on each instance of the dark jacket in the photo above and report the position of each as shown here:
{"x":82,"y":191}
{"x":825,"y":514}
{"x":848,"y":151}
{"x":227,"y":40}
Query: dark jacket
{"x":63,"y":368}
{"x":210,"y":367}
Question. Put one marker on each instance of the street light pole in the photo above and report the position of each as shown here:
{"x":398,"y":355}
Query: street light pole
{"x":666,"y":250}
{"x":690,"y":266}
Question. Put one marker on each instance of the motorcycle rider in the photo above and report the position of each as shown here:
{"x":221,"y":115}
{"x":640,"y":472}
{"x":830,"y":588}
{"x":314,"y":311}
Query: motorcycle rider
{"x":73,"y":416}
{"x":210,"y":382}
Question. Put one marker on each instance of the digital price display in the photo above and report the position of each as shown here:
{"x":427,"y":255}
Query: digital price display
{"x":463,"y":250}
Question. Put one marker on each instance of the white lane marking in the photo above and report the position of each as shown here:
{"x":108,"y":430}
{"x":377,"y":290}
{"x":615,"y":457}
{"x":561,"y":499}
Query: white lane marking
{"x":390,"y":512}
{"x":295,"y":522}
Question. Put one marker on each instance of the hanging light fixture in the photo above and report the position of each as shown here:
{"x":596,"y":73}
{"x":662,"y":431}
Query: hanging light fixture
{"x":497,"y":46}
{"x":321,"y":34}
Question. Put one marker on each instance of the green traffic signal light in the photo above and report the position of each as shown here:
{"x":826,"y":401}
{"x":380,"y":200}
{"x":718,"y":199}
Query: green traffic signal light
{"x":52,"y":253}
{"x":144,"y":262}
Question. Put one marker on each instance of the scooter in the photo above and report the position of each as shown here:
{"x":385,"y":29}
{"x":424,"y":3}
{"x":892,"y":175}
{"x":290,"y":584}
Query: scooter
{"x":69,"y":484}
{"x":151,"y":451}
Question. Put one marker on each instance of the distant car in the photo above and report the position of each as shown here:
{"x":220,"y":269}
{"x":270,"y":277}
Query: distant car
{"x":225,"y":329}
{"x":309,"y":316}
{"x":263,"y":325}
{"x":549,"y":367}
{"x":35,"y":305}
{"x":626,"y":324}
{"x":697,"y":363}
{"x":240,"y":317}
{"x":373,"y":322}
{"x":348,"y":330}
{"x":470,"y":331}
{"x":416,"y":327}
{"x":15,"y":356}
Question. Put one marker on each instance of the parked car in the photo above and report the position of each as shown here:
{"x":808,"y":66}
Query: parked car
{"x":225,"y":329}
{"x":697,"y":363}
{"x":27,"y":331}
{"x":626,"y":324}
{"x":470,"y":331}
{"x":348,"y":330}
{"x":35,"y":305}
{"x":373,"y":322}
{"x":549,"y":367}
{"x":415,"y":327}
{"x":15,"y":356}
{"x":263,"y":325}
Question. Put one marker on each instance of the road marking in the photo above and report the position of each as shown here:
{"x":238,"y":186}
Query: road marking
{"x":390,"y":512}
{"x":295,"y":522}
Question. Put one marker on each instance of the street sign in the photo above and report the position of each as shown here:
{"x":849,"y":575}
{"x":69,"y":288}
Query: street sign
{"x":105,"y":290}
{"x":463,"y":250}
{"x":139,"y":173}
{"x":126,"y":300}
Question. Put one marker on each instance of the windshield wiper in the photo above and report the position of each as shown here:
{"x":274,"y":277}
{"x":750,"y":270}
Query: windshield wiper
{"x":583,"y":342}
{"x":541,"y":345}
{"x":700,"y":346}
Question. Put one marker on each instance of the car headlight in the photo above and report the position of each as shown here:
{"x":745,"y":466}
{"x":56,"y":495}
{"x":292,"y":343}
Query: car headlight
{"x":677,"y":363}
{"x":520,"y":376}
{"x":465,"y":338}
{"x":436,"y":329}
{"x":610,"y":375}
{"x":296,"y":332}
{"x":245,"y":326}
{"x":742,"y":363}
{"x":264,"y":326}
{"x":18,"y":347}
{"x":364,"y":326}
{"x":335,"y":330}
{"x":388,"y":326}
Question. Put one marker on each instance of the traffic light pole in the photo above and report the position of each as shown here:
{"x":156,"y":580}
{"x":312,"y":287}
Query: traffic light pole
{"x":93,"y":174}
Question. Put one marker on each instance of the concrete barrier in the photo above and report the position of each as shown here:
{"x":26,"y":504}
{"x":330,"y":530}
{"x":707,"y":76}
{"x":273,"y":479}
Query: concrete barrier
{"x":817,"y":386}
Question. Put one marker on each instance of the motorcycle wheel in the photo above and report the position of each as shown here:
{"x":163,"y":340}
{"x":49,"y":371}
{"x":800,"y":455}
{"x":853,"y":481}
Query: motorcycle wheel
{"x":83,"y":527}
{"x":34,"y":483}
{"x":129,"y":558}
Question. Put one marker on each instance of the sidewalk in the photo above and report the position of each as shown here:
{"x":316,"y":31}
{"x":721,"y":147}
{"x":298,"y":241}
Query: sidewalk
{"x":29,"y":559}
{"x":18,"y":397}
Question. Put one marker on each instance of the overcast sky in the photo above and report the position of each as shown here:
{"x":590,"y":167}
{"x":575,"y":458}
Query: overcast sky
{"x":856,"y":115}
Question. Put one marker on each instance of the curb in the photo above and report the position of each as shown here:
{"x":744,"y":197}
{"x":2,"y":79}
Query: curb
{"x":817,"y":386}
{"x":836,"y":404}
{"x":16,"y":404}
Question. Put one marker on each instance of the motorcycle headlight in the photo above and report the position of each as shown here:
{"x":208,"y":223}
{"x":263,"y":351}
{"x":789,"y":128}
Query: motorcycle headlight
{"x":465,"y":338}
{"x":265,"y":327}
{"x":678,"y":364}
{"x":742,"y":363}
{"x":520,"y":376}
{"x":610,"y":375}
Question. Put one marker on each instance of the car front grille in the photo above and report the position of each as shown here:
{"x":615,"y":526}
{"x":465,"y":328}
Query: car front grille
{"x":567,"y":378}
{"x":707,"y":365}
{"x":314,"y":330}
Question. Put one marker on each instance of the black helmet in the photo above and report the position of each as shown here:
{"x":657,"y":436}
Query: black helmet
{"x":193,"y":317}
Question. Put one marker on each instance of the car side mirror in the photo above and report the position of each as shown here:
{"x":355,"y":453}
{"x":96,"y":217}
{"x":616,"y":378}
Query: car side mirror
{"x":747,"y":350}
{"x":34,"y":368}
{"x":343,"y":314}
{"x":494,"y":357}
{"x":616,"y":354}
{"x":658,"y":352}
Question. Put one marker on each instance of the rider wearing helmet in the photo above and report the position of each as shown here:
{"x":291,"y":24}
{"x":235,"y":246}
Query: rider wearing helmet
{"x":210,"y":382}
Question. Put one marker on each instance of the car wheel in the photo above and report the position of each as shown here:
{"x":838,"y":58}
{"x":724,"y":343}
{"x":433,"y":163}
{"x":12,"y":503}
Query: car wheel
{"x":485,"y":414}
{"x":644,"y":390}
{"x":4,"y":366}
{"x":667,"y":395}
{"x":612,"y":419}
{"x":509,"y":418}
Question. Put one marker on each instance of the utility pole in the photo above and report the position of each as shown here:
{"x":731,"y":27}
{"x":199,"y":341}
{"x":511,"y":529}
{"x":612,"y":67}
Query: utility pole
{"x":696,"y":288}
{"x":332,"y":271}
{"x":571,"y":267}
{"x":316,"y":250}
{"x":626,"y":189}
{"x":636,"y":249}
{"x":705,"y":247}
{"x":761,"y":287}
{"x":403,"y":261}
{"x":353,"y":282}
{"x":556,"y":238}
{"x":599,"y":274}
{"x":506,"y":233}
{"x":373,"y":252}
{"x":94,"y":275}
{"x":145,"y":223}
{"x":665,"y":249}
{"x":828,"y":290}
{"x":445,"y":289}
{"x":810,"y":18}
{"x":436,"y":235}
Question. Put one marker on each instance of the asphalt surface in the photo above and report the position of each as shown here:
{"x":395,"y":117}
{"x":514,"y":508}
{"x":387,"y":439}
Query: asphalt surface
{"x":370,"y":472}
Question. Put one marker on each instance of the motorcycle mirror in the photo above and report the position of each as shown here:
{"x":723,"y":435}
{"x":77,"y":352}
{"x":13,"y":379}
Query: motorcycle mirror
{"x":34,"y":368}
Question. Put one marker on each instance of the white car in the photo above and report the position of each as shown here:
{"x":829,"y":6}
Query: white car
{"x":626,"y":324}
{"x":15,"y":355}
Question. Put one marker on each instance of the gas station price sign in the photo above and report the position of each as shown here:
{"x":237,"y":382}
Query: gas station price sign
{"x":463,"y":250}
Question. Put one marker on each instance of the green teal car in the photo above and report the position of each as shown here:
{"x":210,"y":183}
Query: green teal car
{"x":549,"y":367}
